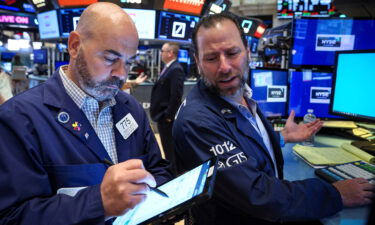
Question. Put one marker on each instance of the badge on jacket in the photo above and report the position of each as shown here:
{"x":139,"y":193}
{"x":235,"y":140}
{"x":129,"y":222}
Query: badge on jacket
{"x":126,"y":126}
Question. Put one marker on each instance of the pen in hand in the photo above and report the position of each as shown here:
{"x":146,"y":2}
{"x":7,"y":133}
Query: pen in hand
{"x":160,"y":192}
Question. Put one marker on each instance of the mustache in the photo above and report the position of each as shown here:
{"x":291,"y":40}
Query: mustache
{"x":112,"y":81}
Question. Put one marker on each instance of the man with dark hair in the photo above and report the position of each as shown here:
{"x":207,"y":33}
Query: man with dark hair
{"x":219,"y":118}
{"x":166,"y":98}
{"x":58,"y":139}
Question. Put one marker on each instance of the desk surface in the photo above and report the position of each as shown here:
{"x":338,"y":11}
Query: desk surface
{"x":296,"y":169}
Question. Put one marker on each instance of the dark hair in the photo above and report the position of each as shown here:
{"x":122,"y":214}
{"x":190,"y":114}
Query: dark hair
{"x":210,"y":21}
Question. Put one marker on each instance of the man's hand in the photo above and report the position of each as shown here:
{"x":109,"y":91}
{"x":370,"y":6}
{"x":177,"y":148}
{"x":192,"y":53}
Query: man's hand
{"x":355,"y":192}
{"x":140,"y":79}
{"x":124,"y":186}
{"x":293,"y":132}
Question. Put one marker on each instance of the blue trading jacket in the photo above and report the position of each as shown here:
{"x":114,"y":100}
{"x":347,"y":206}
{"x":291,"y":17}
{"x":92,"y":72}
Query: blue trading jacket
{"x":40,"y":154}
{"x":247,"y":190}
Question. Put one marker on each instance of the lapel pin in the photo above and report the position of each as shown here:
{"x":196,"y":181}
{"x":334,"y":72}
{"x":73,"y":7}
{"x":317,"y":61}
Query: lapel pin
{"x":86,"y":135}
{"x":63,"y":117}
{"x":223,"y":111}
{"x":76,"y":126}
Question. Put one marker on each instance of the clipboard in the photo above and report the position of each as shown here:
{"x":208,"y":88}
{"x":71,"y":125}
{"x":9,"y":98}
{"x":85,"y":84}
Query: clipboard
{"x":191,"y":188}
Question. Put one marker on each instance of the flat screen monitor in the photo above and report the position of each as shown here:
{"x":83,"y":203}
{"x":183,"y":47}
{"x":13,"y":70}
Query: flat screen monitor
{"x":176,"y":27}
{"x":144,"y":21}
{"x":7,"y":66}
{"x":7,"y":56}
{"x":289,"y":8}
{"x":183,"y":56}
{"x":310,"y":90}
{"x":315,"y":41}
{"x":353,"y":85}
{"x":69,"y":19}
{"x":48,"y":25}
{"x":40,"y":56}
{"x":270,"y":90}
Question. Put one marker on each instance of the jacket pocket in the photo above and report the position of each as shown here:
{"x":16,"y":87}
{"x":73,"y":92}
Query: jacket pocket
{"x":77,"y":175}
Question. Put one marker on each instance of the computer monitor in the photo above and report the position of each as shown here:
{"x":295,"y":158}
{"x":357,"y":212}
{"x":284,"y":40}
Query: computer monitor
{"x":176,"y":27}
{"x":40,"y":56}
{"x":69,"y":19}
{"x":144,"y":22}
{"x":270,"y":90}
{"x":353,"y":85}
{"x":48,"y":25}
{"x":310,"y":90}
{"x":315,"y":41}
{"x":7,"y":56}
{"x":183,"y":56}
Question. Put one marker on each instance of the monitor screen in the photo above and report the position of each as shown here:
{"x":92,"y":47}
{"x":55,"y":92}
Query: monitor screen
{"x":193,"y":7}
{"x":7,"y":56}
{"x":290,"y":8}
{"x":183,"y":56}
{"x":48,"y":25}
{"x":176,"y":27}
{"x":69,"y":19}
{"x":310,"y":90}
{"x":7,"y":66}
{"x":40,"y":56}
{"x":315,"y":41}
{"x":353,"y":86}
{"x":270,"y":90}
{"x":144,"y":21}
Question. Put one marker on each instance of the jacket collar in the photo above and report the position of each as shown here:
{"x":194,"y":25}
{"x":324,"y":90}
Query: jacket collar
{"x":230,"y":113}
{"x":70,"y":117}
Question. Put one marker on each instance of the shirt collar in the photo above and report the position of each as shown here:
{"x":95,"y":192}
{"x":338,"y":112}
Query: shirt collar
{"x":77,"y":94}
{"x":170,"y":63}
{"x":247,"y":95}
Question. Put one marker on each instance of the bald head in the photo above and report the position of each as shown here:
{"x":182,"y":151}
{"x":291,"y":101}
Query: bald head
{"x":101,"y":17}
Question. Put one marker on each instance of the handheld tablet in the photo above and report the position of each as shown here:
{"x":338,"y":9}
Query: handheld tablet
{"x":184,"y":191}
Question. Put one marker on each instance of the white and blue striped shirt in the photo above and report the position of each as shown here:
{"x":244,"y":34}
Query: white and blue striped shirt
{"x":99,"y":115}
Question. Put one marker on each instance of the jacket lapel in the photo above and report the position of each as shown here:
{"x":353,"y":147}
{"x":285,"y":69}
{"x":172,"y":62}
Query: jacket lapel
{"x":275,"y":143}
{"x":70,"y":117}
{"x":118,"y":114}
{"x":230,"y":113}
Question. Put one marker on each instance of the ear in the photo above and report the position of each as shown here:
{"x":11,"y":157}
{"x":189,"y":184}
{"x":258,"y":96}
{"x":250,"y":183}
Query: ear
{"x":74,"y":43}
{"x":198,"y":64}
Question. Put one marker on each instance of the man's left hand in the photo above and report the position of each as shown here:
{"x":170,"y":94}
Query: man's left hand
{"x":293,"y":132}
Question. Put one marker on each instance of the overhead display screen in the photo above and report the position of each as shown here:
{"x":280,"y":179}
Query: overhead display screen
{"x":76,"y":2}
{"x":144,"y":21}
{"x":315,"y":8}
{"x":194,"y":7}
{"x":48,"y":25}
{"x":177,"y":27}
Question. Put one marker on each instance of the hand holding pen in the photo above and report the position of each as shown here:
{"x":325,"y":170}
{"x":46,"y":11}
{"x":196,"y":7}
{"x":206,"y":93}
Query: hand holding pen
{"x":124,"y":185}
{"x":158,"y":191}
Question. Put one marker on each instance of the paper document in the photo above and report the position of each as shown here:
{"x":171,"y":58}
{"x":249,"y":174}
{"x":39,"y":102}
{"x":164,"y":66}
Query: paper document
{"x":332,"y":155}
{"x":339,"y":124}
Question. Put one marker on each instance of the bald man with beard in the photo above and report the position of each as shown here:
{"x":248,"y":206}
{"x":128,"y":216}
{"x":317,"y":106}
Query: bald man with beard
{"x":56,"y":138}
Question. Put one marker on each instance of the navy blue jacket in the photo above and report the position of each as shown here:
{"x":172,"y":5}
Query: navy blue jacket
{"x":247,"y":190}
{"x":167,"y":93}
{"x":39,"y":155}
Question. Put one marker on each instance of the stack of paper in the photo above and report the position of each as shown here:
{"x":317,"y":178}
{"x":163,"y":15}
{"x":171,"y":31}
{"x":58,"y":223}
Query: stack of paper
{"x":322,"y":156}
